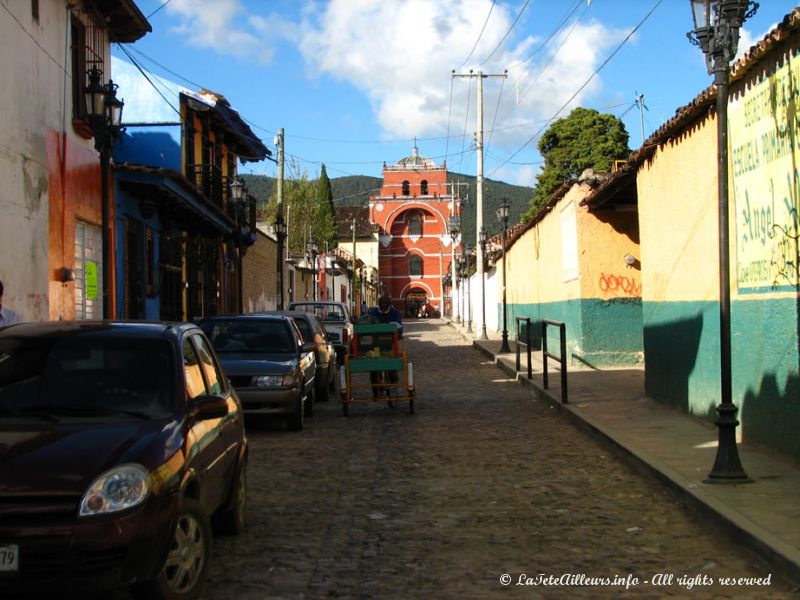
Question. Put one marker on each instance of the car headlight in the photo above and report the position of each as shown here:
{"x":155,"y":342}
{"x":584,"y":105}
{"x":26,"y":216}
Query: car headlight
{"x":120,"y":488}
{"x":275,"y":380}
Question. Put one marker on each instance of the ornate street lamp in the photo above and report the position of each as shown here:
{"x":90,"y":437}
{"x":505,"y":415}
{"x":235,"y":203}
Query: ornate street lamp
{"x":454,"y":225}
{"x":502,"y":216}
{"x":104,"y":111}
{"x":716,"y":31}
{"x":483,"y":236}
{"x":280,"y":234}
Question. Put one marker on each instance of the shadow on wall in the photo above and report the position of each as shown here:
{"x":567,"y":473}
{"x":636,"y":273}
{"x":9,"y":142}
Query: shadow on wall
{"x":670,"y":355}
{"x":773,"y":418}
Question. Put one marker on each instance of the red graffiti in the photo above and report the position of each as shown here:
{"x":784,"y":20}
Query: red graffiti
{"x":619,"y":285}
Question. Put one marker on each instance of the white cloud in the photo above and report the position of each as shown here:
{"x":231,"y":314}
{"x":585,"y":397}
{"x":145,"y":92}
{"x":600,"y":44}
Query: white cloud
{"x":214,"y":24}
{"x":400,"y":54}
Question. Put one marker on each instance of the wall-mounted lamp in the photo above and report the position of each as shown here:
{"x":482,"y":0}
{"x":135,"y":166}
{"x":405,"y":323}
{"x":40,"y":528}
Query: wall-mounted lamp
{"x":630,"y":260}
{"x":67,"y":274}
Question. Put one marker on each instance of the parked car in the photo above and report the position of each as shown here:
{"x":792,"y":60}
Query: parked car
{"x":312,"y":330}
{"x":336,"y":318}
{"x":119,"y":443}
{"x":268,"y":362}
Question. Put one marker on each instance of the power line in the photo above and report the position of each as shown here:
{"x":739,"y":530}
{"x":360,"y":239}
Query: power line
{"x":580,"y":89}
{"x":500,"y":43}
{"x":549,"y":37}
{"x":35,"y":41}
{"x":491,"y":8}
{"x":158,"y":9}
{"x":141,"y":70}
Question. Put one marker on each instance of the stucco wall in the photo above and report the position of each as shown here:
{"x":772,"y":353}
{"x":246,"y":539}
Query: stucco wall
{"x":679,"y":232}
{"x":33,"y":106}
{"x":569,"y":267}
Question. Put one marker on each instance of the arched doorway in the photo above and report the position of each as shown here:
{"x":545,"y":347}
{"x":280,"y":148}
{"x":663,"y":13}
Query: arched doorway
{"x":416,"y":301}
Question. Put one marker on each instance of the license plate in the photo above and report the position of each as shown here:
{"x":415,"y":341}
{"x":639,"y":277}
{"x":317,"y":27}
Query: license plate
{"x":9,"y":558}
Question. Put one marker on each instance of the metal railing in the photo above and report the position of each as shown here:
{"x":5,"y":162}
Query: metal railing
{"x":562,"y":329}
{"x":527,"y":343}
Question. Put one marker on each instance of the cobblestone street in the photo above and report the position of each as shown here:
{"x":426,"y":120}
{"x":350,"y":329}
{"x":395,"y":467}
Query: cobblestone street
{"x":484,"y":480}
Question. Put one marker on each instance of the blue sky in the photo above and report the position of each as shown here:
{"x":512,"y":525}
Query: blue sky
{"x":354,"y":82}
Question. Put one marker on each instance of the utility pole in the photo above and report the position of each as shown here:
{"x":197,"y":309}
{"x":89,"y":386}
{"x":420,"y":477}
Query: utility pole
{"x":479,"y":188}
{"x":640,"y":104}
{"x":353,"y":280}
{"x":282,"y":235}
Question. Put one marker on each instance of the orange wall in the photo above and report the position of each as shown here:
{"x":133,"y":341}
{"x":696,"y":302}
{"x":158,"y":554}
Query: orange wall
{"x":74,"y":192}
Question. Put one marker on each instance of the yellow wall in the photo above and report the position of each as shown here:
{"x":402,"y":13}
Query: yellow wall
{"x":678,"y":218}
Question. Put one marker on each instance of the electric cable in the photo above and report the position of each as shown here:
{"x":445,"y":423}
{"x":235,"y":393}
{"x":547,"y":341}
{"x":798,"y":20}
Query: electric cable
{"x":486,"y":21}
{"x":500,"y":43}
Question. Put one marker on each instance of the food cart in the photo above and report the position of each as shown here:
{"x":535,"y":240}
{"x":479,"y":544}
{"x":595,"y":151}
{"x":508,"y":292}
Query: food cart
{"x":377,"y":351}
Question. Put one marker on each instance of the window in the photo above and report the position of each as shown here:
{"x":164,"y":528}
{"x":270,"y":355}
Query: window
{"x":415,"y":265}
{"x":415,"y":225}
{"x":88,"y":51}
{"x":211,"y":370}
{"x":35,"y":10}
{"x":423,"y":187}
{"x":191,"y":367}
{"x":406,"y":188}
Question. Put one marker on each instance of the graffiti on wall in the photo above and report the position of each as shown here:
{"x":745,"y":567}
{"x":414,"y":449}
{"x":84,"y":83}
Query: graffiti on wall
{"x":619,"y":285}
{"x":766,"y":182}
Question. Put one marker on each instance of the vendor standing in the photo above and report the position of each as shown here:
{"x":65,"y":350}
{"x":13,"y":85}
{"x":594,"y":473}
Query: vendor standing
{"x":386,"y":313}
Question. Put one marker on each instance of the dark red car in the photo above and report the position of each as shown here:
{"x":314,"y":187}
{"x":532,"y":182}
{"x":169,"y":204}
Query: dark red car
{"x":118,"y":444}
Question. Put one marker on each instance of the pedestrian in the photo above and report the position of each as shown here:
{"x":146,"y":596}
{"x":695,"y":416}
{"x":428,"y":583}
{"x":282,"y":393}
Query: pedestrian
{"x":7,"y":316}
{"x":386,"y":313}
{"x":363,"y":307}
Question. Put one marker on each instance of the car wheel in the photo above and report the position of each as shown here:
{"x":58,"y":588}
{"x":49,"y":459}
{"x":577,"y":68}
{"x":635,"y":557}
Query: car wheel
{"x":295,"y":420}
{"x":185,"y":569}
{"x":231,"y":519}
{"x":310,"y":399}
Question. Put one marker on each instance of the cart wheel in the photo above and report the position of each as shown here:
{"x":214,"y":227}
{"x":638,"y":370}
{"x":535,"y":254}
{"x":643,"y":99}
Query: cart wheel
{"x":412,"y":395}
{"x":344,"y":408}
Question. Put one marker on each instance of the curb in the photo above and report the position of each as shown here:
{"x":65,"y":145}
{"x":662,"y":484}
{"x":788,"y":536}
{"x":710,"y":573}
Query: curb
{"x":782,"y":557}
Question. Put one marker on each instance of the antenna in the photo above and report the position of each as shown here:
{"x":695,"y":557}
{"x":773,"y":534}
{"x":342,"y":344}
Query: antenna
{"x":642,"y":107}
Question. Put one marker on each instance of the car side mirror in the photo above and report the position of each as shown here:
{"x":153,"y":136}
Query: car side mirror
{"x":308,"y":347}
{"x":209,"y":407}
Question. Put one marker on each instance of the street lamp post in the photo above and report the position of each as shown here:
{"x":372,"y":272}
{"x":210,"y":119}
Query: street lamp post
{"x":280,"y":233}
{"x":502,"y":216}
{"x":716,"y":31}
{"x":238,"y":200}
{"x":454,"y":225}
{"x":313,"y":249}
{"x":105,"y":118}
{"x":468,"y":307}
{"x":483,"y":236}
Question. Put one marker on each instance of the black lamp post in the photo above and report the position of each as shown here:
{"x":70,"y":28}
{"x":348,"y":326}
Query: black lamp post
{"x":312,"y":247}
{"x":238,"y":200}
{"x":467,"y":264}
{"x":105,"y":118}
{"x":483,"y":237}
{"x":454,"y":225}
{"x":280,"y":234}
{"x":502,"y":216}
{"x":716,"y":31}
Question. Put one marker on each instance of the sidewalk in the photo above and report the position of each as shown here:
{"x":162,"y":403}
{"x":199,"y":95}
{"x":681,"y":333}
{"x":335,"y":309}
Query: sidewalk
{"x":678,"y":449}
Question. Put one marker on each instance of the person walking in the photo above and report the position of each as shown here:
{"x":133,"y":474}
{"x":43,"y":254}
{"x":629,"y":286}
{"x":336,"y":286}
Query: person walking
{"x":7,"y":316}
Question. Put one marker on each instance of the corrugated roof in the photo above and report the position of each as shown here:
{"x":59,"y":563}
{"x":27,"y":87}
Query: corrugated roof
{"x":344,"y":216}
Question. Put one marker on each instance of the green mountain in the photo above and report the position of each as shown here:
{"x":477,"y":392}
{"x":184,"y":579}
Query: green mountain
{"x":354,"y":190}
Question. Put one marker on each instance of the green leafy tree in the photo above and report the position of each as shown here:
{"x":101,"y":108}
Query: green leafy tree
{"x":585,"y":139}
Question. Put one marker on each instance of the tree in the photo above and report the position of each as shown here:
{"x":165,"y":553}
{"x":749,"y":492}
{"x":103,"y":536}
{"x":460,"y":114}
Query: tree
{"x":325,"y":217}
{"x":586,"y":139}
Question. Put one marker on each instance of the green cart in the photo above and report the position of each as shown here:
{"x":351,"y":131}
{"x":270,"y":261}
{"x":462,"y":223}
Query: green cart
{"x":377,"y":368}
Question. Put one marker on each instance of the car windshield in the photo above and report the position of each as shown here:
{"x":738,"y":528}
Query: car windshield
{"x":258,"y":336}
{"x":305,"y":329}
{"x":85,"y":376}
{"x":327,"y":313}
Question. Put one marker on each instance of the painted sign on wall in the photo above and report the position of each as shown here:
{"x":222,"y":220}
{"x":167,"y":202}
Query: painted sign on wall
{"x":766,"y":185}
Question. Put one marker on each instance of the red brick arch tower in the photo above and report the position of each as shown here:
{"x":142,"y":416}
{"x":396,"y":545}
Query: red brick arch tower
{"x":414,"y":244}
